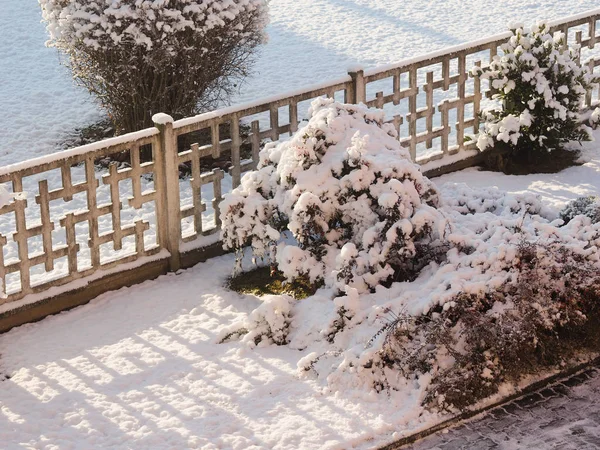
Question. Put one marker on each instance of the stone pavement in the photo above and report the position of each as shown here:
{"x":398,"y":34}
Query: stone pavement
{"x":564,"y":416}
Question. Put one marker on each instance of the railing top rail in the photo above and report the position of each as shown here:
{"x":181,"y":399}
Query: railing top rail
{"x":78,"y":151}
{"x":437,"y":54}
{"x":243,"y":107}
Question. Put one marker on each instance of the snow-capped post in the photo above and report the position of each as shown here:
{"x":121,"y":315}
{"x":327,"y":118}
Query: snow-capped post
{"x":167,"y":188}
{"x":358,"y":93}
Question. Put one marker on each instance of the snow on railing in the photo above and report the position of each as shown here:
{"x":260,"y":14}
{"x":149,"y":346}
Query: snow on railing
{"x":115,"y":202}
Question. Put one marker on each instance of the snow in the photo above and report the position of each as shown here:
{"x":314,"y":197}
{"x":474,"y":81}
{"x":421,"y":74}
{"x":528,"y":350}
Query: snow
{"x":162,"y":119}
{"x":555,"y":190}
{"x":134,"y":370}
{"x":99,"y":25}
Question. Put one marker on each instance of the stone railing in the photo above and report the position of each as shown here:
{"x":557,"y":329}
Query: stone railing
{"x":86,"y":216}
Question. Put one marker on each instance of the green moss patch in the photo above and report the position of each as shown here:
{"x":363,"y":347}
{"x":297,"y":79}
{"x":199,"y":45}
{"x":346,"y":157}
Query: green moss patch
{"x":260,"y":282}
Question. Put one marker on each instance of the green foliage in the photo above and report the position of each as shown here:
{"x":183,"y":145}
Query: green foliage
{"x":586,"y":206}
{"x":262,"y":281}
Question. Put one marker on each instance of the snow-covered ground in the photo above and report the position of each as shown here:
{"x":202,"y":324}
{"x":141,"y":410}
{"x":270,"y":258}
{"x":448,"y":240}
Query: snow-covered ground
{"x":140,"y":368}
{"x":310,"y":41}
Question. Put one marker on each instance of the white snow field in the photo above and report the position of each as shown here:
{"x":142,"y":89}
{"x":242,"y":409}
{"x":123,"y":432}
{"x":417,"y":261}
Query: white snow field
{"x":310,"y":41}
{"x":140,"y":368}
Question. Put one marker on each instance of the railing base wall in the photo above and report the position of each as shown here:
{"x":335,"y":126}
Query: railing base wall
{"x":455,"y":167}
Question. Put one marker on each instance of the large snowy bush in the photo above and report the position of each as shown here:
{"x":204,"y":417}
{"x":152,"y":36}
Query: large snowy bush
{"x":141,"y":57}
{"x":359,"y":211}
{"x":541,"y":88}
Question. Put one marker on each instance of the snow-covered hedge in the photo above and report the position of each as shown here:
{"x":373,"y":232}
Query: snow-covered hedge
{"x":142,"y":57}
{"x":360,"y":212}
{"x":542,"y":89}
{"x":516,"y":293}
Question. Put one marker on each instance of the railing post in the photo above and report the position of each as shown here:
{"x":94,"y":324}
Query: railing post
{"x":167,"y":189}
{"x":358,"y":92}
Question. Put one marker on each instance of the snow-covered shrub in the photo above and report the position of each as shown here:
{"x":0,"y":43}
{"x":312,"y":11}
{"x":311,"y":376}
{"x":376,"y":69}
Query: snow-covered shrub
{"x":142,"y":57}
{"x":269,"y":323}
{"x":539,"y":318}
{"x":513,"y":288}
{"x":463,"y":199}
{"x":542,"y":89}
{"x":360,"y":211}
{"x":515,"y":295}
{"x":584,"y":206}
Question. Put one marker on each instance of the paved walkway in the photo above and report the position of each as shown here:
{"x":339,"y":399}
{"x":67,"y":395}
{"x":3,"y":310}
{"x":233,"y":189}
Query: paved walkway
{"x":565,"y":416}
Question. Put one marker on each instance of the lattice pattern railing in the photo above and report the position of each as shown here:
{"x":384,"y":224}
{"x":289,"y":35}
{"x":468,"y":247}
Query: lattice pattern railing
{"x":447,"y":94}
{"x":82,"y":215}
{"x":69,"y":251}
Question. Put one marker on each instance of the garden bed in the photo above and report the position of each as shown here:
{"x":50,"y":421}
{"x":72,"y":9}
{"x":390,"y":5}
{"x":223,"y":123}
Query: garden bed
{"x":142,"y":368}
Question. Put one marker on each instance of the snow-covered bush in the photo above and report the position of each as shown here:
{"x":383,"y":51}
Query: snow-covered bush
{"x":540,"y":317}
{"x":360,"y":211}
{"x":269,"y":323}
{"x":585,"y":206}
{"x":515,"y":295}
{"x":142,"y":57}
{"x":542,"y":89}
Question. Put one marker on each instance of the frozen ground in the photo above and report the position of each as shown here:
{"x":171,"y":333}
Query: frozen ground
{"x":310,"y":41}
{"x":139,"y":368}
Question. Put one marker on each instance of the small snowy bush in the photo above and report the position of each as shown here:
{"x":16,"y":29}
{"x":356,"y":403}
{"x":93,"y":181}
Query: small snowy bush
{"x":542,"y":89}
{"x":142,"y":57}
{"x":268,"y":324}
{"x":360,"y":212}
{"x":585,"y":206}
